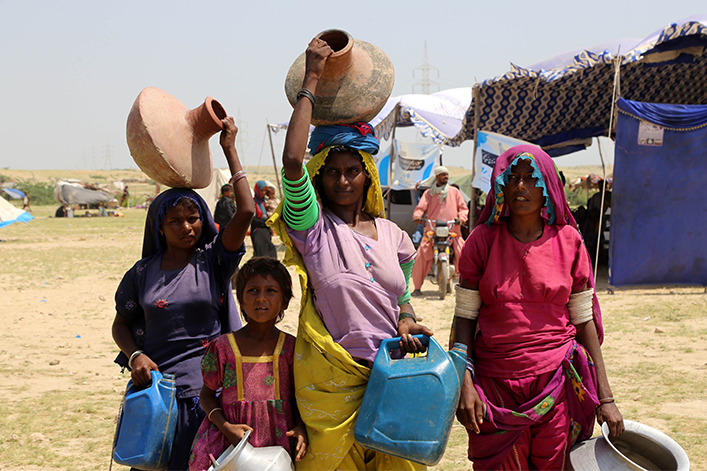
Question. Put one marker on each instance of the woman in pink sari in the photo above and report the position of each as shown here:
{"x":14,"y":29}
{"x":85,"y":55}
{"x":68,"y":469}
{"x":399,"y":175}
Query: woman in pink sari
{"x":527,"y":311}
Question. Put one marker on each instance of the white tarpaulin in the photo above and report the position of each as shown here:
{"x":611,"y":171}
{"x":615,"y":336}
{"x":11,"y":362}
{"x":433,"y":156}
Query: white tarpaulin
{"x":489,"y":146}
{"x":219,"y":177}
{"x":10,"y":214}
{"x":412,"y":163}
{"x":438,"y":116}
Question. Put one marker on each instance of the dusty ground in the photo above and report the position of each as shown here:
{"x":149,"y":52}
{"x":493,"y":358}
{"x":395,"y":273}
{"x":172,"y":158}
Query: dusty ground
{"x":60,"y":391}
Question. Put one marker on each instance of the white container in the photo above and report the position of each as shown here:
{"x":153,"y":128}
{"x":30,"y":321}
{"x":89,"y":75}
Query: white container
{"x":244,"y":457}
{"x":639,"y":448}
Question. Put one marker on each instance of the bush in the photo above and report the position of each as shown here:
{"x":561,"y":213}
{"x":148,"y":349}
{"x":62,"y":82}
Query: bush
{"x":40,"y":194}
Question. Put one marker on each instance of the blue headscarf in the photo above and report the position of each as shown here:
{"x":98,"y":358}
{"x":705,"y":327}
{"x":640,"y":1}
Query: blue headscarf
{"x":358,"y":136}
{"x":152,"y":243}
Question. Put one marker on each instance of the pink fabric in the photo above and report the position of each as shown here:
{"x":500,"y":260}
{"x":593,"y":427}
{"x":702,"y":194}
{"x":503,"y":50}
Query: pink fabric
{"x":454,"y":207}
{"x":356,"y":280}
{"x":523,"y":323}
{"x":270,"y":418}
{"x":557,"y":195}
{"x":542,"y":446}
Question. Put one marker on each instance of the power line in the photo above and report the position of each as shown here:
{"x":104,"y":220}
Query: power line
{"x":425,"y":83}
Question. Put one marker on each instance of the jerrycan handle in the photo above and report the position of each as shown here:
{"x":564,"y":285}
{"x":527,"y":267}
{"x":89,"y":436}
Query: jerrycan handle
{"x":156,"y":377}
{"x":434,"y":349}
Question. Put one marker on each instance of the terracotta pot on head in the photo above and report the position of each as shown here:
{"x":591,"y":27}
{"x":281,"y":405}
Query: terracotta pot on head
{"x":356,"y":82}
{"x":170,"y":142}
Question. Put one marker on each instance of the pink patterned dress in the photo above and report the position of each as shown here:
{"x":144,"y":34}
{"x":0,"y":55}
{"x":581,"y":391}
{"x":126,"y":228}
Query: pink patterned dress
{"x":256,"y":391}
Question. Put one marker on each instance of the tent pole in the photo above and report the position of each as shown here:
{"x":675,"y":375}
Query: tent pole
{"x":274,"y":163}
{"x":476,"y":96}
{"x":614,"y":97}
{"x":390,"y":161}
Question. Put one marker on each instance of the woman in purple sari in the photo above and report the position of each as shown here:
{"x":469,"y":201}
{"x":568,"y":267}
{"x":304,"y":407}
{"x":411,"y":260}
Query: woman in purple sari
{"x":527,"y":310}
{"x":178,"y":297}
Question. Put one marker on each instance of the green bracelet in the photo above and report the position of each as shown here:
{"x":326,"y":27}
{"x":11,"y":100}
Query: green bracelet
{"x":406,"y":315}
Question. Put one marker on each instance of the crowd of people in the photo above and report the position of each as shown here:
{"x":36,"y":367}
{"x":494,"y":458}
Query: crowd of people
{"x":525,"y":306}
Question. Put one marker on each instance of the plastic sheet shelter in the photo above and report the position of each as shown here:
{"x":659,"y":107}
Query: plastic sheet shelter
{"x":659,"y":214}
{"x":438,"y":116}
{"x":10,"y":214}
{"x":74,"y":193}
{"x":561,"y":103}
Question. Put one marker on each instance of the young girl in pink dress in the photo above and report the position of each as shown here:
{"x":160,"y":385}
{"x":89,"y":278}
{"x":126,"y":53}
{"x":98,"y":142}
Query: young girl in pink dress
{"x":253,"y":369}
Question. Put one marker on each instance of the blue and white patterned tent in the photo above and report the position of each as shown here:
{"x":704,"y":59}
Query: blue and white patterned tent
{"x":438,"y":116}
{"x":561,"y":103}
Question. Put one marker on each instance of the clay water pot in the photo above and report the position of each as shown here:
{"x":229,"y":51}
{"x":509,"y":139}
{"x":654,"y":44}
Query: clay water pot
{"x":170,"y":142}
{"x":356,"y":82}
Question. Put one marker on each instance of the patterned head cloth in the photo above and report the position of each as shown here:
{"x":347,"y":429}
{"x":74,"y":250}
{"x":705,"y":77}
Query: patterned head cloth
{"x":555,"y":210}
{"x":359,"y":136}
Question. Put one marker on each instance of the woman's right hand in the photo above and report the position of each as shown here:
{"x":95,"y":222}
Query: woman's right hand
{"x":140,"y":374}
{"x":471,"y":410}
{"x":235,"y":432}
{"x":315,"y":59}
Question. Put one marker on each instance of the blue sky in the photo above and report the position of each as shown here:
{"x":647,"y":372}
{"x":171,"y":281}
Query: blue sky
{"x":70,"y":71}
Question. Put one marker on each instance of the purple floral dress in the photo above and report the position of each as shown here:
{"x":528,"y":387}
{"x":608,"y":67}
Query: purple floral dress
{"x":256,"y":391}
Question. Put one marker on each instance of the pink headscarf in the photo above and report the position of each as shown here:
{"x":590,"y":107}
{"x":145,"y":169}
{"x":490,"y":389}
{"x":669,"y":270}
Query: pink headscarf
{"x":553,"y":185}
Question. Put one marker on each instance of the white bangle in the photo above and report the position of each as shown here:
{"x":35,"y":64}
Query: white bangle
{"x":467,"y":303}
{"x":135,"y":354}
{"x":580,"y":307}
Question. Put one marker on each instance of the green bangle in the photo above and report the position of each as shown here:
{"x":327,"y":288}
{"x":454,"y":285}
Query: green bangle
{"x":406,"y":315}
{"x":304,"y":213}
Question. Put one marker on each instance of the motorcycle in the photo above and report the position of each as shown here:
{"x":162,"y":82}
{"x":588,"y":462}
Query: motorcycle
{"x":442,"y":268}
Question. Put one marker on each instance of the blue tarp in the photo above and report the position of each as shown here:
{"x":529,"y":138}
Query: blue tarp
{"x":14,"y":193}
{"x":659,"y":209}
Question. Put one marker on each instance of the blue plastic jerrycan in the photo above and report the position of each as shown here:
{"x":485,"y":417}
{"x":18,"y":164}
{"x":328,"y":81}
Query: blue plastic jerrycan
{"x":147,"y":423}
{"x":409,"y":405}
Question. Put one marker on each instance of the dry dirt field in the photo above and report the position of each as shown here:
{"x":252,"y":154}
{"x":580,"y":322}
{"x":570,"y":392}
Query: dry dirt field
{"x":60,"y":391}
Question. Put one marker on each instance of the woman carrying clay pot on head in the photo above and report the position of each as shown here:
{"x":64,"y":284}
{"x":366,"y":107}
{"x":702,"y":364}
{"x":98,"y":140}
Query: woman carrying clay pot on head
{"x":178,"y":298}
{"x":355,"y":268}
{"x":528,"y":313}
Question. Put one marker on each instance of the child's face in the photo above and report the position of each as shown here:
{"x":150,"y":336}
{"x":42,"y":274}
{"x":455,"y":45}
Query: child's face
{"x":262,"y":299}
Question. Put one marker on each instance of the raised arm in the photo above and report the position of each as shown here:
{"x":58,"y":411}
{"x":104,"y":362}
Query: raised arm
{"x":236,"y":230}
{"x":298,"y":129}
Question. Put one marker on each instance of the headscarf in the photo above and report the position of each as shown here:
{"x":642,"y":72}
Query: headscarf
{"x":259,"y":197}
{"x":152,"y":243}
{"x":555,"y":211}
{"x":442,"y":191}
{"x":359,"y":136}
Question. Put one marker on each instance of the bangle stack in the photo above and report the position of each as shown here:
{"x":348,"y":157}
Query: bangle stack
{"x":237,"y":176}
{"x":135,"y":354}
{"x":304,"y":92}
{"x":606,"y":400}
{"x":406,"y":315}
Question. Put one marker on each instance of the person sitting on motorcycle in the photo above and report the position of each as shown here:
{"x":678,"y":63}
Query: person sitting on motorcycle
{"x":441,"y":201}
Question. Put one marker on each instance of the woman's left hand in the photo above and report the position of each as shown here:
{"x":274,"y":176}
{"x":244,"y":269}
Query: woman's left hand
{"x":406,"y":329}
{"x":610,"y":414}
{"x":228,"y":134}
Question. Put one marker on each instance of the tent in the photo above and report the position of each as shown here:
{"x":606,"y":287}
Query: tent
{"x":438,"y":116}
{"x":14,"y":193}
{"x":74,"y":193}
{"x":561,"y":103}
{"x":658,"y":217}
{"x":10,"y":214}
